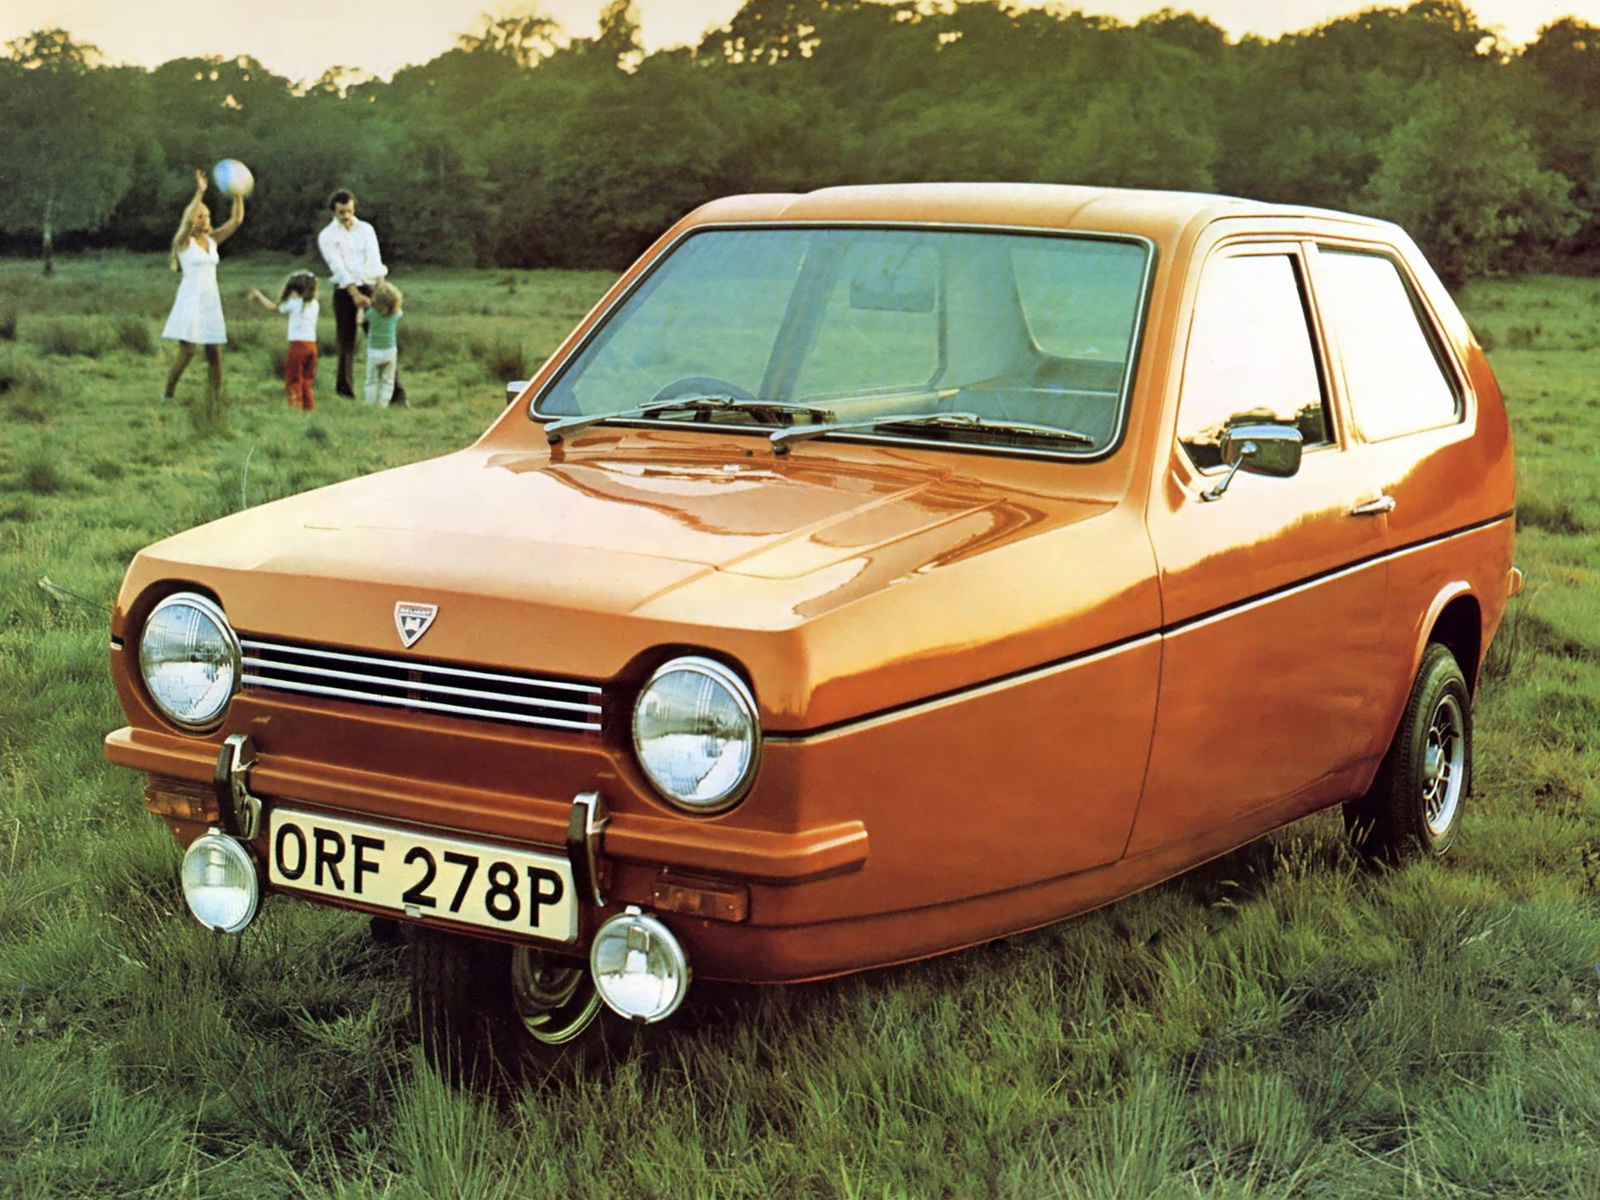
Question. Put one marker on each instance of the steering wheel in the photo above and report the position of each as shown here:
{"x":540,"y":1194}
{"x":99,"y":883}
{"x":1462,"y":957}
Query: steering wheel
{"x":701,"y":385}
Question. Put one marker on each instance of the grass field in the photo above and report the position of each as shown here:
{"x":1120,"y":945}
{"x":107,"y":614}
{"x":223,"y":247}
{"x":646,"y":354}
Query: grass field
{"x":1276,"y":1024}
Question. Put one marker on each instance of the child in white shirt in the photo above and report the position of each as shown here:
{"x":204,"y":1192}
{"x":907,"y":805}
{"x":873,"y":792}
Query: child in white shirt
{"x":298,"y":301}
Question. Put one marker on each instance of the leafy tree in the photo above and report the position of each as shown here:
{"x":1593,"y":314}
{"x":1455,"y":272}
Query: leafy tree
{"x":1557,"y":98}
{"x":1478,"y":204}
{"x":1432,"y":39}
{"x":1308,"y":115}
{"x":70,"y":134}
{"x":210,"y":108}
{"x":521,"y":39}
{"x":1203,"y":38}
{"x":623,"y":157}
{"x":1324,"y":131}
{"x":427,"y":193}
{"x":767,"y":32}
{"x":524,"y":146}
{"x":1139,"y":134}
{"x":618,"y":41}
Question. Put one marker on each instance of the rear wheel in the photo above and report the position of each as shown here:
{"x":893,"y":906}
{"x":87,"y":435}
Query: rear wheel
{"x":488,"y":1010}
{"x":1414,"y":806}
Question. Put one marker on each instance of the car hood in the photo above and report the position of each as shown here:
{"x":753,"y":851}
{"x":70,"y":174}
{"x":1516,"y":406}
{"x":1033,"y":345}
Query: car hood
{"x":579,"y":562}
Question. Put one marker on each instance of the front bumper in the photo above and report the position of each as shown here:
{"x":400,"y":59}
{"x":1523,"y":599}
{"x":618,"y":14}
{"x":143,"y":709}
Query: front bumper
{"x":719,"y":877}
{"x":754,"y":855}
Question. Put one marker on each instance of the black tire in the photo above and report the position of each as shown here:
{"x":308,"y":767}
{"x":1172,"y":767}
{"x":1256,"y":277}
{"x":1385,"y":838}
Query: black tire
{"x":488,"y":1012}
{"x":1413,"y":809}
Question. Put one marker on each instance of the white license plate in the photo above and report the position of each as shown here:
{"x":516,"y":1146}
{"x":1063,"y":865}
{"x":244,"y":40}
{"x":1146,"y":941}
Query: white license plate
{"x":424,"y":875}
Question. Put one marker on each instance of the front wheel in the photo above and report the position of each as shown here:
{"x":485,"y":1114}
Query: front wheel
{"x":1414,"y":806}
{"x":488,"y":1010}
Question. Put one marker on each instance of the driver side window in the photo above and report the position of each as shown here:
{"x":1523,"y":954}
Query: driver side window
{"x":1250,"y":360}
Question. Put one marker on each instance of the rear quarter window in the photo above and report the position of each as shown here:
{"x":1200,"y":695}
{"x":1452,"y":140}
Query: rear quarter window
{"x":1395,"y":371}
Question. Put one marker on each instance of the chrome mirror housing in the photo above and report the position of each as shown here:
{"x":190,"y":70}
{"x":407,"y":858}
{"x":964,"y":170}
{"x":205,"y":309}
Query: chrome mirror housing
{"x":1263,"y":449}
{"x":1260,"y":449}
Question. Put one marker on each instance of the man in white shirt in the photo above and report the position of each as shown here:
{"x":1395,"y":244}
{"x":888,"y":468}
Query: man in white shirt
{"x":350,"y":248}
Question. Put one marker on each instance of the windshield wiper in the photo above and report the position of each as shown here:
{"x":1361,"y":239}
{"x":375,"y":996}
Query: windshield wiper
{"x":557,"y":429}
{"x":784,"y":438}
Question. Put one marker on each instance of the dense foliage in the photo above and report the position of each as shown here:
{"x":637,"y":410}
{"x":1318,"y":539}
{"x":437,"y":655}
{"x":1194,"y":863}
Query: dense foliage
{"x":523,"y":147}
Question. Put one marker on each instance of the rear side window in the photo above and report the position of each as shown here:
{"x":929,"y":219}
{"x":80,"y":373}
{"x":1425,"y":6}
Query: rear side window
{"x":1394,"y":370}
{"x":1251,"y":359}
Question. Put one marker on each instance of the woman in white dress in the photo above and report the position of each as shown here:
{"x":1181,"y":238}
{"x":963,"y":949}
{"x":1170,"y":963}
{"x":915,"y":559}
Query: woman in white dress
{"x":196,"y":318}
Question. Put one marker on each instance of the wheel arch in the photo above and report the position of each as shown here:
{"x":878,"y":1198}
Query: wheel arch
{"x":1455,"y":621}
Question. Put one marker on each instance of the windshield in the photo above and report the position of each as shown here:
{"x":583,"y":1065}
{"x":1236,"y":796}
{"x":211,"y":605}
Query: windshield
{"x":862,"y":323}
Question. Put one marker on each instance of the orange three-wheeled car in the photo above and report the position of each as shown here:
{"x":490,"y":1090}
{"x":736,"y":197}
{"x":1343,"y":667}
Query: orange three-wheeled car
{"x":873,"y":572}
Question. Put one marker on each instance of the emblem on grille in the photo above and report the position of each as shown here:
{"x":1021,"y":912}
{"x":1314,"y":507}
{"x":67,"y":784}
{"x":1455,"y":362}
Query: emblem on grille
{"x":413,"y":620}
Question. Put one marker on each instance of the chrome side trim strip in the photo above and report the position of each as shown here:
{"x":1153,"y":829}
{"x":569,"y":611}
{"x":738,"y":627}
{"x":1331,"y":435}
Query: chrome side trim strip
{"x":1283,"y":593}
{"x":871,"y":720}
{"x":1161,"y":632}
{"x":406,"y":702}
{"x":1300,"y":585}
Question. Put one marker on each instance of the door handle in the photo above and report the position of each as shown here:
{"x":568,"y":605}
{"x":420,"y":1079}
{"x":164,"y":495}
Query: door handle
{"x":1373,"y":508}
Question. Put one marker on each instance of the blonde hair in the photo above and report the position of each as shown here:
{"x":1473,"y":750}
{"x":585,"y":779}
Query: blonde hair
{"x":185,"y":230}
{"x":386,"y":298}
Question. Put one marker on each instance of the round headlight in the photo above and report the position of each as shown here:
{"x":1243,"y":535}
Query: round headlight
{"x":189,"y":657}
{"x":219,"y":882}
{"x":696,"y":735}
{"x":639,"y":969}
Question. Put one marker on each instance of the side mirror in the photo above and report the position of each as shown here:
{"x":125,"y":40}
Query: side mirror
{"x":514,"y":389}
{"x":1260,"y":449}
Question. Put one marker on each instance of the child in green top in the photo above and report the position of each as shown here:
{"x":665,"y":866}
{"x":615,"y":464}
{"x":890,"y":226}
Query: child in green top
{"x":382,"y":352}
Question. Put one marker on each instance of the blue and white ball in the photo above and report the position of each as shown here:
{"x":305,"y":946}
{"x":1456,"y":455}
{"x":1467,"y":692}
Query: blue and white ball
{"x":233,"y":177}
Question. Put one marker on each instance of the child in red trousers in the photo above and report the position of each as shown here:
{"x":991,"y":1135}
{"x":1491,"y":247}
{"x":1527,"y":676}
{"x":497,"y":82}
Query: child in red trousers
{"x":298,"y":301}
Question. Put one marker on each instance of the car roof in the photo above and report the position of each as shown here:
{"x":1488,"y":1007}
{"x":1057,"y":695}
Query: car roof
{"x":1159,"y":215}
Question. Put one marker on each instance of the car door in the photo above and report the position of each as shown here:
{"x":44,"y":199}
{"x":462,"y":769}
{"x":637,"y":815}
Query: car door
{"x":1273,"y":591}
{"x":1442,"y":459}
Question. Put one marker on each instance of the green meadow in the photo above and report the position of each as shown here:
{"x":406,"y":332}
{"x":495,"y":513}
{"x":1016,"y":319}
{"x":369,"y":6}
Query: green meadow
{"x":1278,"y":1023}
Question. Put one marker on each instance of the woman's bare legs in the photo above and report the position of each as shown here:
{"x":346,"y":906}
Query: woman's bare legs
{"x":180,"y":364}
{"x":214,"y":376}
{"x":213,"y":373}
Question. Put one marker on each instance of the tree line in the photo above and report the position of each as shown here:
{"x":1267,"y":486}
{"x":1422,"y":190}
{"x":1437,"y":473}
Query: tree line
{"x":524,"y":147}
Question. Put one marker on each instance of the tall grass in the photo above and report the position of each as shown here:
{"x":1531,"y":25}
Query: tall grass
{"x":1279,"y":1023}
{"x":505,"y":359}
{"x":88,"y":337}
{"x":135,"y":334}
{"x":23,"y":378}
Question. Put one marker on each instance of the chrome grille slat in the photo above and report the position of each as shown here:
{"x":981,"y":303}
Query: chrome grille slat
{"x":416,"y":684}
{"x":432,"y":706}
{"x":404,"y":664}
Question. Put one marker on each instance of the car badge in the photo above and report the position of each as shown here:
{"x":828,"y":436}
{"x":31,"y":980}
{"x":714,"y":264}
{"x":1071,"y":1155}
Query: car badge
{"x":413,"y":620}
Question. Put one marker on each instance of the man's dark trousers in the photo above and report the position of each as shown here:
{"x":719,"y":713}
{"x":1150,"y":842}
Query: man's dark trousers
{"x":346,"y":320}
